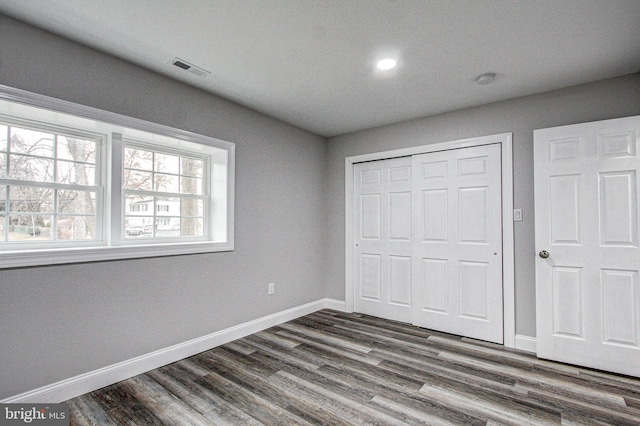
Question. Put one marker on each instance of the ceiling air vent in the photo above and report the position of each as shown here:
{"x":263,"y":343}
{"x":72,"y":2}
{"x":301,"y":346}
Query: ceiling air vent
{"x":182,"y":64}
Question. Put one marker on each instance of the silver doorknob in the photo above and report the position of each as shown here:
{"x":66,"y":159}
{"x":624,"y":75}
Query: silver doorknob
{"x":543,"y":254}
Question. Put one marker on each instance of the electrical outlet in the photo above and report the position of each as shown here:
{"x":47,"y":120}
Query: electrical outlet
{"x":272,"y":288}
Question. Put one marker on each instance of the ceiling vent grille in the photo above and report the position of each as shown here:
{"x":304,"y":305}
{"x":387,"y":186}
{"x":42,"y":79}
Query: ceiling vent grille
{"x":182,"y":64}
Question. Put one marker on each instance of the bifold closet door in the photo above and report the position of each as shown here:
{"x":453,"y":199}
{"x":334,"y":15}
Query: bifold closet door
{"x":382,"y":210}
{"x":428,"y":241}
{"x":457,"y":242}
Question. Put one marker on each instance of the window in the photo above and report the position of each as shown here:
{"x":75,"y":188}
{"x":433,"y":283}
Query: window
{"x":79,"y":184}
{"x":49,"y":189}
{"x":172,"y":184}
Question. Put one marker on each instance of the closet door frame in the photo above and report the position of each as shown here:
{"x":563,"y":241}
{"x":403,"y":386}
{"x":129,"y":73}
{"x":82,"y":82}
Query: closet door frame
{"x":505,"y":141}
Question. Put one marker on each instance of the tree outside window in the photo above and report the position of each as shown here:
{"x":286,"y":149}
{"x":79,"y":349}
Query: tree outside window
{"x":50,"y":190}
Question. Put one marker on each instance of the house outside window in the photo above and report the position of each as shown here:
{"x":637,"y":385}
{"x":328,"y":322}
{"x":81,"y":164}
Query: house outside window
{"x":168,"y":186}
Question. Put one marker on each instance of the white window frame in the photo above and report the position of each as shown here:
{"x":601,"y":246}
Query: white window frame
{"x":98,"y":186}
{"x":116,"y":129}
{"x":206,"y":196}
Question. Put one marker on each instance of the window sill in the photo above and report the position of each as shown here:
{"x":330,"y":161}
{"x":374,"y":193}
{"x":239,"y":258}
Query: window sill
{"x":29,"y":258}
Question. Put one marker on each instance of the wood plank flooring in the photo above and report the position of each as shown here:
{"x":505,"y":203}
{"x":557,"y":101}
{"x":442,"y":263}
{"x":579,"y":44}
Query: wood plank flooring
{"x":332,"y":368}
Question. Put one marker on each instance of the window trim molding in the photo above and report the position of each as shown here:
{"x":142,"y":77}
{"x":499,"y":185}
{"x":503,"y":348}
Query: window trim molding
{"x":57,"y":255}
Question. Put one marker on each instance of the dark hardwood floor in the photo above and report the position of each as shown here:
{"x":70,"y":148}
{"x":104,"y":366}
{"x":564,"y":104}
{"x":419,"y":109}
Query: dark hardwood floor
{"x":332,"y":368}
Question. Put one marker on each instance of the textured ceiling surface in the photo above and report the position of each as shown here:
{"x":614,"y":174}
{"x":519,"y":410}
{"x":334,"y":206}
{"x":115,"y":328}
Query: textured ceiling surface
{"x":311,"y":63}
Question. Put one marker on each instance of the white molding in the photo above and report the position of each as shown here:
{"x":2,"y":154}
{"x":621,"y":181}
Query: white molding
{"x":90,"y":381}
{"x":336,"y":305}
{"x":60,"y":256}
{"x":508,"y":245}
{"x":440,"y":146}
{"x":526,"y":343}
{"x":505,"y":140}
{"x":349,"y":233}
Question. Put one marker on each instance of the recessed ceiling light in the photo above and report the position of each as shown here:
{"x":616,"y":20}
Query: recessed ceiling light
{"x":486,"y":78}
{"x":386,"y":64}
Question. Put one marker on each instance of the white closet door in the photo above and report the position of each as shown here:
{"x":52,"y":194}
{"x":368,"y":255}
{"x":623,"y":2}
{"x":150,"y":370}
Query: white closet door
{"x":587,"y":272}
{"x":457,"y":255}
{"x":383,"y":238}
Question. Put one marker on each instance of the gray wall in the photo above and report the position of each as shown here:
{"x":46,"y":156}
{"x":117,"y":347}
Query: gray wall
{"x":597,"y":101}
{"x":60,"y":321}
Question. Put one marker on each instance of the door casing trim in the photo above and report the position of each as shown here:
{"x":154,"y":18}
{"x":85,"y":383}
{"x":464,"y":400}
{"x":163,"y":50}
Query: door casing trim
{"x":508,"y":256}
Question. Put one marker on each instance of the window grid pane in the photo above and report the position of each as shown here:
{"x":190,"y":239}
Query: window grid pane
{"x":75,"y":227}
{"x":164,"y":163}
{"x":191,"y":167}
{"x":138,"y":159}
{"x":33,"y":169}
{"x":78,"y":150}
{"x":29,"y":227}
{"x":31,"y":142}
{"x":166,"y":183}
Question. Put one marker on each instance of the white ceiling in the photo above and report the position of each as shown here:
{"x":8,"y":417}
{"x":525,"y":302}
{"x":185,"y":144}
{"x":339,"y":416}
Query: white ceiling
{"x":311,"y":62}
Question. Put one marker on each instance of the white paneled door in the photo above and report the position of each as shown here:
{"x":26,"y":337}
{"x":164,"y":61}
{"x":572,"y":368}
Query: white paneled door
{"x":428,"y":243}
{"x":457,"y":213}
{"x":382,"y":269}
{"x":588,"y":261}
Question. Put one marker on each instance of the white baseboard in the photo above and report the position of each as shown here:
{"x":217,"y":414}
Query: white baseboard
{"x":88,"y":382}
{"x":525,"y":343}
{"x":336,"y":305}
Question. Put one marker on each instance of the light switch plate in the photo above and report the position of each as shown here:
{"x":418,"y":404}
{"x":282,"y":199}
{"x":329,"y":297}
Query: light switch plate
{"x":517,"y":215}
